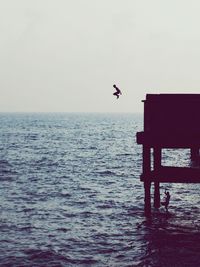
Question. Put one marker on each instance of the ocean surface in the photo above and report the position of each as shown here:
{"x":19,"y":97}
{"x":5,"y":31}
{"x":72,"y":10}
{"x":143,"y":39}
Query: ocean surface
{"x":70,"y":195}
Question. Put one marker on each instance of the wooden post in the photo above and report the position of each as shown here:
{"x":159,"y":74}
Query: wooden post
{"x":194,"y":152}
{"x":147,"y":198}
{"x":156,"y":195}
{"x":157,"y":166}
{"x":147,"y":182}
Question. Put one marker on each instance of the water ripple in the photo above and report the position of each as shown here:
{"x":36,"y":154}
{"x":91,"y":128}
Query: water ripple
{"x":70,"y":195}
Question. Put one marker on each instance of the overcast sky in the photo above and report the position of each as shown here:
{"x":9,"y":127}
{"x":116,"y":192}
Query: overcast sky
{"x":65,"y":55}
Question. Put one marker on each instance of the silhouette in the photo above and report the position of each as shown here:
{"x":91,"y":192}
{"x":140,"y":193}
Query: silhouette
{"x":170,"y":121}
{"x":166,"y":200}
{"x":118,"y":91}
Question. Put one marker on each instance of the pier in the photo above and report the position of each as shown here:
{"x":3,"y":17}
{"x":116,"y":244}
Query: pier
{"x":170,"y":121}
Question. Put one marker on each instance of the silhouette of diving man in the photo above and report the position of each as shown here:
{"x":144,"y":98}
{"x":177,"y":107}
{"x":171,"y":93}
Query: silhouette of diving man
{"x":166,"y":200}
{"x":118,"y":92}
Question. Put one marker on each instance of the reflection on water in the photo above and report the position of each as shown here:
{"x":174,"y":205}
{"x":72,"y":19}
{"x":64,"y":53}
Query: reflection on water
{"x":171,"y":240}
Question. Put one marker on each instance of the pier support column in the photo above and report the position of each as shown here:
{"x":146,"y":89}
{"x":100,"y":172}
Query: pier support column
{"x":157,"y":166}
{"x":147,"y":182}
{"x":147,"y":198}
{"x":194,"y":153}
{"x":156,"y":195}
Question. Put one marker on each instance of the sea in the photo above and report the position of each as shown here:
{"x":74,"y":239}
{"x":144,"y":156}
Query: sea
{"x":71,"y":195}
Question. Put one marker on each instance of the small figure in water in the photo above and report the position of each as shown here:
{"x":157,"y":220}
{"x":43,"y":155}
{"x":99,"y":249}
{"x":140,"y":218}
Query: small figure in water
{"x":118,"y":92}
{"x":166,"y":199}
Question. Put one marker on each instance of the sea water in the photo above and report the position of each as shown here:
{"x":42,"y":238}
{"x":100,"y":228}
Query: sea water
{"x":70,"y":195}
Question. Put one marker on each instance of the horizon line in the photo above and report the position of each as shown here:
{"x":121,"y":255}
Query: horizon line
{"x":102,"y":112}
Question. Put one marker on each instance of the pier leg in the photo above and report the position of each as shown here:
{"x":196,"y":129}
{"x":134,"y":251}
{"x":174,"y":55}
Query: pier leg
{"x":194,"y":153}
{"x":147,"y":183}
{"x":157,"y":166}
{"x":156,"y":195}
{"x":147,"y":198}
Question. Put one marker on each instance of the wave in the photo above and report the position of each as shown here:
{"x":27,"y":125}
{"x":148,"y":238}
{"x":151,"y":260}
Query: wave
{"x":105,"y":173}
{"x":64,"y":206}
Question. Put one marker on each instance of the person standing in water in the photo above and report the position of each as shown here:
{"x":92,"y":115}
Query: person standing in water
{"x":166,"y":200}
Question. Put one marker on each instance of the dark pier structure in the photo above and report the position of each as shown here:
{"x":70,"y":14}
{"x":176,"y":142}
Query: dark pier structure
{"x":170,"y":121}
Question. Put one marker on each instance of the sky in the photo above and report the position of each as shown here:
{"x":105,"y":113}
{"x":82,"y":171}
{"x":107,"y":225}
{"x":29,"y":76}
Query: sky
{"x":65,"y":55}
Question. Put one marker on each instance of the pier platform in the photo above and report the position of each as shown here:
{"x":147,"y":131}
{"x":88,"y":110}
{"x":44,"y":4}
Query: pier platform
{"x":170,"y":121}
